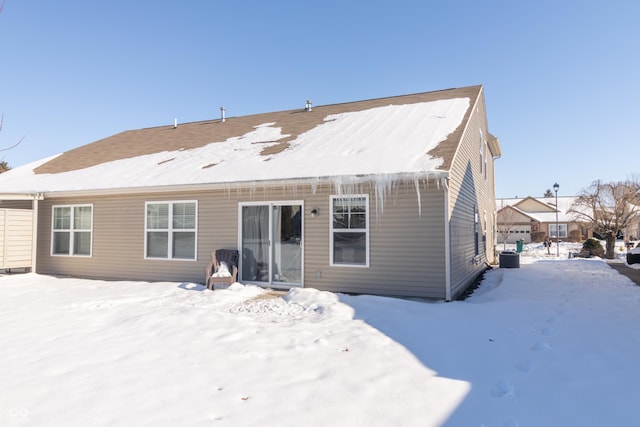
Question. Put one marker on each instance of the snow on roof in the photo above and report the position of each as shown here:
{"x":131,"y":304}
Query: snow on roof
{"x":380,"y":141}
{"x":565,"y":203}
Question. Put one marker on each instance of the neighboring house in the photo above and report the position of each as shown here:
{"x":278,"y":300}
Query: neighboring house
{"x":391,"y":196}
{"x":533,"y":218}
{"x":632,"y":233}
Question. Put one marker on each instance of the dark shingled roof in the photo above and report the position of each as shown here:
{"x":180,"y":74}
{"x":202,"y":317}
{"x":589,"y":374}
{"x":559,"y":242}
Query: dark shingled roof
{"x":140,"y":142}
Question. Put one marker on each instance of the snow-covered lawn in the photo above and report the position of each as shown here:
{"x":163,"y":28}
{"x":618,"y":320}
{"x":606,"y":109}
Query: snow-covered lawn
{"x":552,"y":343}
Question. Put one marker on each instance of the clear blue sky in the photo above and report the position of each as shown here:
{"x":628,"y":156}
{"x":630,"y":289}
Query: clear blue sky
{"x":561,"y":78}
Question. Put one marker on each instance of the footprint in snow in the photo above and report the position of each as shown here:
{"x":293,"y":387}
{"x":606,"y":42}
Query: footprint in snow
{"x":546,"y":331}
{"x":524,"y":365}
{"x":540,"y":346}
{"x":502,"y":389}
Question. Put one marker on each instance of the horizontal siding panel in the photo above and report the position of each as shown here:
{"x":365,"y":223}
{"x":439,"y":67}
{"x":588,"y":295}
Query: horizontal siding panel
{"x":20,"y":229}
{"x":17,"y":264}
{"x":19,"y":247}
{"x":19,"y":257}
{"x":20,"y":224}
{"x":16,"y":232}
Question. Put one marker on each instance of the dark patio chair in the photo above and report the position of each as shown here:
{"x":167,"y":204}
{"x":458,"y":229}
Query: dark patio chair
{"x":223,"y":268}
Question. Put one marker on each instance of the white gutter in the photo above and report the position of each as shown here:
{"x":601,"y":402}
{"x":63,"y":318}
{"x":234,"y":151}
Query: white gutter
{"x":19,"y":196}
{"x":230,"y":185}
{"x":447,"y":241}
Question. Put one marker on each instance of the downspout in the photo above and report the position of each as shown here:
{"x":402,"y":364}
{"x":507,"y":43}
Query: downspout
{"x":447,"y":241}
{"x":34,"y":231}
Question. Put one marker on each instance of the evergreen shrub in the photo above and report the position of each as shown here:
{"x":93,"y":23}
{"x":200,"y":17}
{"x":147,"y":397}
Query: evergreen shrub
{"x":592,"y":247}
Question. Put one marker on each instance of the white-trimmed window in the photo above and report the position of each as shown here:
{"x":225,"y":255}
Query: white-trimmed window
{"x":350,"y":230}
{"x":72,"y":230}
{"x":562,"y":231}
{"x":171,"y":230}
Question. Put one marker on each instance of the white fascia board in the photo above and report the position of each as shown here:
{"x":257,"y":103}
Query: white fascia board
{"x":348,"y":179}
{"x":21,"y":196}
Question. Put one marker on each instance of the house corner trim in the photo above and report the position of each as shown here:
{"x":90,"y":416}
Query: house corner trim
{"x":447,"y":240}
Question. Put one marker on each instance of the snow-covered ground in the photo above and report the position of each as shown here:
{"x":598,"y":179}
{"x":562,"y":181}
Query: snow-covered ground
{"x":555,"y":342}
{"x":538,"y":251}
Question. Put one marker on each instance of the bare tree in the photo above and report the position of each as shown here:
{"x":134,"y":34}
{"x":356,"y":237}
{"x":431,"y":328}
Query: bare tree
{"x":610,"y":208}
{"x":548,"y":193}
{"x":1,"y":122}
{"x":506,"y":218}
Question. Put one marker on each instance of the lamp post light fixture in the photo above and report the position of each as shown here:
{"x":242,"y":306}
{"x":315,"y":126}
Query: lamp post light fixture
{"x":555,"y":188}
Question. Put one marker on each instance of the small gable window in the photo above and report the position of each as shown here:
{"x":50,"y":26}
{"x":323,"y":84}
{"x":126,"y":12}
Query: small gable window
{"x":484,"y":155}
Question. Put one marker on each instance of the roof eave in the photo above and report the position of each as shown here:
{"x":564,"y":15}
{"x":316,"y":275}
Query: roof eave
{"x":314,"y":182}
{"x":22,"y":196}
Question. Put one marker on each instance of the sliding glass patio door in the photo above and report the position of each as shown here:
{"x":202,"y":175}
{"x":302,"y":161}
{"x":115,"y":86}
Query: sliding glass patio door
{"x":271,"y":243}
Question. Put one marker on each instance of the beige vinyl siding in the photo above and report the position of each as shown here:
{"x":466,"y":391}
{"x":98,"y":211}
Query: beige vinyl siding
{"x":406,"y":248}
{"x":118,"y":238}
{"x":469,"y":191}
{"x":16,"y":238}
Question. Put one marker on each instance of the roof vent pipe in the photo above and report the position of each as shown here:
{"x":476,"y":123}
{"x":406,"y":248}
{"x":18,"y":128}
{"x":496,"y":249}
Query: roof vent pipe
{"x":175,"y":123}
{"x":222,"y":116}
{"x":308,"y":106}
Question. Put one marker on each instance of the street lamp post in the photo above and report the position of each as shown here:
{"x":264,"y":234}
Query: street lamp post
{"x":555,"y":188}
